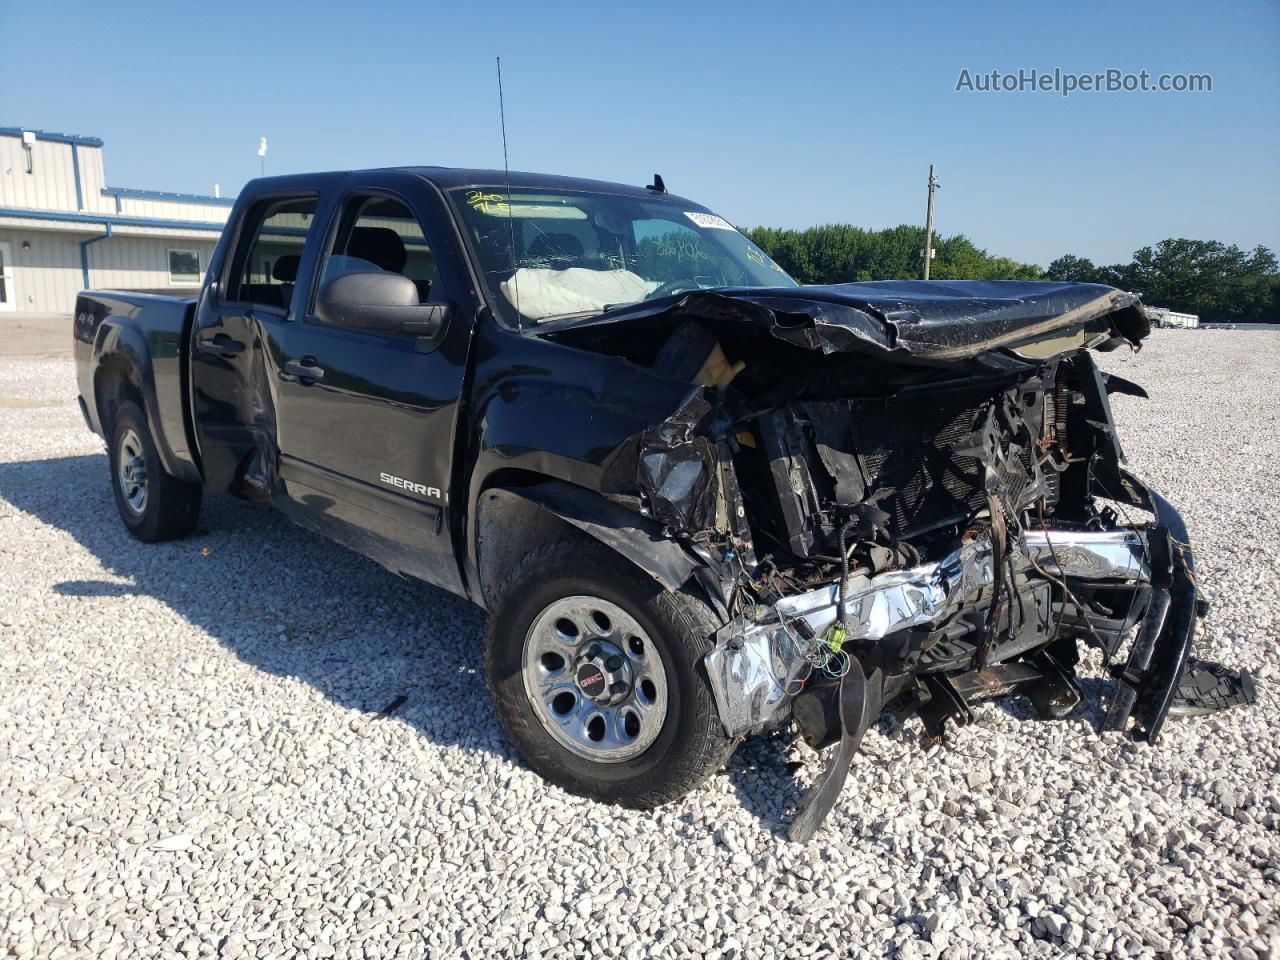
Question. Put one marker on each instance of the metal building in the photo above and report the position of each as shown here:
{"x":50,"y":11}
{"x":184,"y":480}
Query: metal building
{"x":62,"y":228}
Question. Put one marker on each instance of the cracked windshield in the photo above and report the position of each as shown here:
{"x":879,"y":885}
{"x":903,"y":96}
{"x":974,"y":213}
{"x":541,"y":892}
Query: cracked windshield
{"x":549,"y":256}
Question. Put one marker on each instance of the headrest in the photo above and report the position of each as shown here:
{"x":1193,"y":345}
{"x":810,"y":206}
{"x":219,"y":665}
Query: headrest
{"x":286,"y":268}
{"x":379,"y":245}
{"x":549,"y":246}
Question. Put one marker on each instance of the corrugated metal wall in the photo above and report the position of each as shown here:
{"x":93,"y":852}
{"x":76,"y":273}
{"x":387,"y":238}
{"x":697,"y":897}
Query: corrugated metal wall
{"x":52,"y":183}
{"x":48,"y":274}
{"x":47,"y":277}
{"x":138,"y":263}
{"x":170,"y":210}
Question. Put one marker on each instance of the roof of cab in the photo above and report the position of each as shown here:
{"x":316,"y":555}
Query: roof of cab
{"x":449,"y":177}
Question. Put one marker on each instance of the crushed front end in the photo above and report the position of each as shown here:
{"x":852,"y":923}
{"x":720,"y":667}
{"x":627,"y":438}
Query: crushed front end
{"x":911,"y":496}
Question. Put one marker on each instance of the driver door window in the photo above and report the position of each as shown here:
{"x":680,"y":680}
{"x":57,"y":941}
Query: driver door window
{"x":381,"y":233}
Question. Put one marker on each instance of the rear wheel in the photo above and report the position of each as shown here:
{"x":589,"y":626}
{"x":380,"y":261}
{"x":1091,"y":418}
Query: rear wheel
{"x":153,"y":505}
{"x":597,"y":677}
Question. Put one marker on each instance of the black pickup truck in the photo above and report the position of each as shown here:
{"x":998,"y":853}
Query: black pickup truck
{"x":696,"y":499}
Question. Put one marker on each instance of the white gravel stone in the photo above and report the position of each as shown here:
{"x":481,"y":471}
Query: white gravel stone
{"x":221,"y":691}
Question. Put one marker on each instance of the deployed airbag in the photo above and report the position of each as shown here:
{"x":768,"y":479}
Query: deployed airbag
{"x":542,"y":292}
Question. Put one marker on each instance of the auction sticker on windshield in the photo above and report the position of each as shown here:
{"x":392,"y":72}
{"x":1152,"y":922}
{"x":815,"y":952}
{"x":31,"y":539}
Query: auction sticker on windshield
{"x":709,"y":220}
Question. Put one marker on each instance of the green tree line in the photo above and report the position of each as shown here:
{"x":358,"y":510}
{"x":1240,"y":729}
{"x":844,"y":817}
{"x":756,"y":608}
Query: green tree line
{"x":1219,"y":282}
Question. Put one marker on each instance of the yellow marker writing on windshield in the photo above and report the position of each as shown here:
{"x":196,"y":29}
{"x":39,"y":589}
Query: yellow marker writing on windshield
{"x":486,"y":202}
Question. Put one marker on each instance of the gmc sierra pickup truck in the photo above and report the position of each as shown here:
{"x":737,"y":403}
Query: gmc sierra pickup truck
{"x":696,"y":499}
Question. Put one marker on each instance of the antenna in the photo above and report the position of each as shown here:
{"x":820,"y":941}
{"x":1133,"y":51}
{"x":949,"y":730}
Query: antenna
{"x":511,"y":224}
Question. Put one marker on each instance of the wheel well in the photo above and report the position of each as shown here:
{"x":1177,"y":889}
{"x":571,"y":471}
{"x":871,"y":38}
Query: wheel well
{"x":114,"y":383}
{"x":507,"y":528}
{"x":510,"y":520}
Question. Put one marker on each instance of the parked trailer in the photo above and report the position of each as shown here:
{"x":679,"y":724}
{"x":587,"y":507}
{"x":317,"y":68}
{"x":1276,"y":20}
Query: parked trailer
{"x":1165,"y":317}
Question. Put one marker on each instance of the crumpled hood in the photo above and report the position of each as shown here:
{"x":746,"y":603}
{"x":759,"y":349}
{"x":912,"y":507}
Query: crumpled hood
{"x":926,"y":321}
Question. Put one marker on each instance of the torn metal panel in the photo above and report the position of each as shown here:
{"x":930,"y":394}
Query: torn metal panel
{"x":754,"y":671}
{"x":996,"y":324}
{"x":677,"y":470}
{"x":261,"y":466}
{"x":755,"y":665}
{"x":631,"y":535}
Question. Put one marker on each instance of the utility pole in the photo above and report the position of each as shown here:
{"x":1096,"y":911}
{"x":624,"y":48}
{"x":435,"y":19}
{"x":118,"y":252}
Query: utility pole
{"x":928,"y":224}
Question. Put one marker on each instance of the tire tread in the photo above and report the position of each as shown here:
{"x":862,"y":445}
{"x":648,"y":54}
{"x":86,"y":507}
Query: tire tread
{"x":173,"y":505}
{"x":693,"y":623}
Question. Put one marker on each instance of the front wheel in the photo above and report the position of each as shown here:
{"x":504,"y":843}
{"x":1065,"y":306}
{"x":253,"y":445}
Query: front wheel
{"x":153,"y":505}
{"x":597,"y":677}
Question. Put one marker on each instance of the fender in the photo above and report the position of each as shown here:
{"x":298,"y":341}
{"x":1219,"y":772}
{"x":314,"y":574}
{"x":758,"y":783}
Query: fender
{"x":153,"y":363}
{"x":638,"y":539}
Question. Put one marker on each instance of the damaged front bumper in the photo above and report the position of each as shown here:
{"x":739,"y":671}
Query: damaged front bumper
{"x":759,"y":669}
{"x":759,"y":664}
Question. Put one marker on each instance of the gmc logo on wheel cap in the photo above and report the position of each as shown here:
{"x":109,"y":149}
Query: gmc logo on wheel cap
{"x":591,"y":680}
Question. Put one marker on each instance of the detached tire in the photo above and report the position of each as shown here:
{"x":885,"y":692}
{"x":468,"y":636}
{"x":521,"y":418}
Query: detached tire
{"x":597,"y":677}
{"x":153,"y":505}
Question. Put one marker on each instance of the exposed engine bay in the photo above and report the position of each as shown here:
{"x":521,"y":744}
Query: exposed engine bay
{"x":908,"y":498}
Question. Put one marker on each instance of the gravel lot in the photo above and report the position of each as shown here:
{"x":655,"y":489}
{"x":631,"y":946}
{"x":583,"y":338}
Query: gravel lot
{"x":192,"y":761}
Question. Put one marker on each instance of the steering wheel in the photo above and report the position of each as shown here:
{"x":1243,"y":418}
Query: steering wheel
{"x":671,"y":287}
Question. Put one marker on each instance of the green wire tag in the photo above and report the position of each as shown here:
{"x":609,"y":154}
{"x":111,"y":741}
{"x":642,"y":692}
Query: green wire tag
{"x":834,"y":637}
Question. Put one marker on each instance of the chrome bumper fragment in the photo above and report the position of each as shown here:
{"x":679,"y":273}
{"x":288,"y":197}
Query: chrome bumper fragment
{"x":1091,"y":554}
{"x":757,"y":665}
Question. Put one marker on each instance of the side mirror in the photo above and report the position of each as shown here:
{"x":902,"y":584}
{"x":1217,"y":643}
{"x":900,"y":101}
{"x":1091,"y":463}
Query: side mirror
{"x":379,"y":300}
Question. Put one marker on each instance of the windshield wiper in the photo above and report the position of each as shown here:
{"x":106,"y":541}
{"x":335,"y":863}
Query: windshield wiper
{"x":579,"y":315}
{"x":582,"y":314}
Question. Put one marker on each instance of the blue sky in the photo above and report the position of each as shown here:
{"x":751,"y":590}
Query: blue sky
{"x":769,"y":113}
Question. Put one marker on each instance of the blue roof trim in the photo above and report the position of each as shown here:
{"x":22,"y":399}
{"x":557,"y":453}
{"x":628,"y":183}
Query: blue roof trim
{"x":107,"y":220}
{"x":119,"y":192}
{"x":53,"y":137}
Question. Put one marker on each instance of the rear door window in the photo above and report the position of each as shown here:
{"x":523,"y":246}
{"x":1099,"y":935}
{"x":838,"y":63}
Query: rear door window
{"x":264,"y":269}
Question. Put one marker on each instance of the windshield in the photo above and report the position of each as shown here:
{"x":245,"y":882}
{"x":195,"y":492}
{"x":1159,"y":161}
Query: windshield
{"x":548,"y":255}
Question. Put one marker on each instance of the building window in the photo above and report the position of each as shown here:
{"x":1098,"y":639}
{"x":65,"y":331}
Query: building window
{"x":184,"y":267}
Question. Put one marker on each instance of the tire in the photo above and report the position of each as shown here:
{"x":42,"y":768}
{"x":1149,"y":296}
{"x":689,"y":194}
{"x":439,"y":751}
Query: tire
{"x":688,"y":745}
{"x":160,"y":507}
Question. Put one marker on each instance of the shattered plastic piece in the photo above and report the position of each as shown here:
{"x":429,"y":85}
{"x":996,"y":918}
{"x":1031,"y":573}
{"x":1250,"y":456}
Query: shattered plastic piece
{"x":393,"y":706}
{"x":1208,"y":687}
{"x":677,"y":471}
{"x":861,"y":699}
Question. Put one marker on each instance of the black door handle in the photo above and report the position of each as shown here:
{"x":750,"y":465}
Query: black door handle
{"x":221,"y":345}
{"x":305,"y":369}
